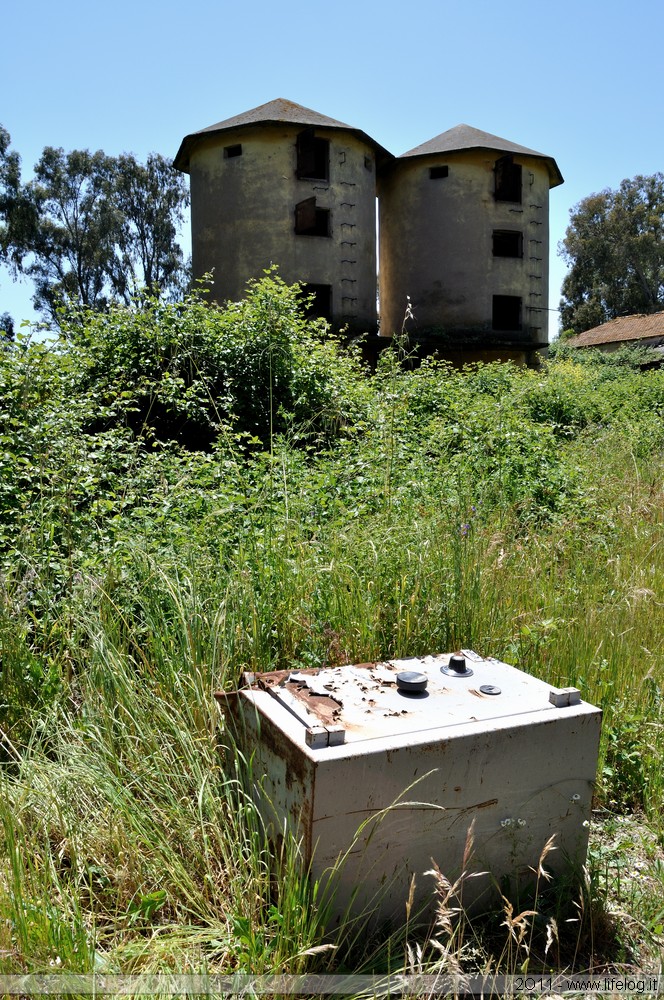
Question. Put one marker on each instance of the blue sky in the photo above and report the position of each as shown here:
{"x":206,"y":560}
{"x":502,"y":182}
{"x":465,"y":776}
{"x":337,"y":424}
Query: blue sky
{"x":580,"y":80}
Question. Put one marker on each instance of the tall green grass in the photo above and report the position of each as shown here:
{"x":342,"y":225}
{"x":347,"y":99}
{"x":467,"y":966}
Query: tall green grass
{"x":513,"y":512}
{"x":131,"y":844}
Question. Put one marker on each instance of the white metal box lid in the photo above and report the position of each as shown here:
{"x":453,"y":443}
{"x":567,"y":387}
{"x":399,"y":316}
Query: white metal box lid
{"x":400,"y":698}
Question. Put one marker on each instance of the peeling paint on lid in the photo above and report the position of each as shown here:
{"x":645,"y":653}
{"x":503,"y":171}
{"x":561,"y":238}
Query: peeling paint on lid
{"x":365,"y":700}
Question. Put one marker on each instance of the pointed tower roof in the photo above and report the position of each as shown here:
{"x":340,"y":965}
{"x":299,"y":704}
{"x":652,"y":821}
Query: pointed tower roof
{"x":278,"y":112}
{"x":466,"y":137}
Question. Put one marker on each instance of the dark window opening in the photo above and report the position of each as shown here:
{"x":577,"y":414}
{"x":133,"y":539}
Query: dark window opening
{"x":313,"y":156}
{"x":230,"y":151}
{"x":311,"y":221}
{"x":507,"y":243}
{"x":506,"y":312}
{"x":437,"y":172}
{"x":320,"y":305}
{"x":508,"y":179}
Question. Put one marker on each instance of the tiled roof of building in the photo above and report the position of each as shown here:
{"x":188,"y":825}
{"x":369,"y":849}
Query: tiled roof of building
{"x":641,"y":326}
{"x":280,"y":111}
{"x":466,"y":137}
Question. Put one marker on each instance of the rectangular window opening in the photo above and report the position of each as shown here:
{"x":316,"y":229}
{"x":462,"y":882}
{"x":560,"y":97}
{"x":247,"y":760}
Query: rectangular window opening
{"x":507,"y":243}
{"x":313,"y":156}
{"x":508,"y":179}
{"x":435,"y":173}
{"x":310,"y":220}
{"x":506,"y":312}
{"x":320,"y":306}
{"x":231,"y":151}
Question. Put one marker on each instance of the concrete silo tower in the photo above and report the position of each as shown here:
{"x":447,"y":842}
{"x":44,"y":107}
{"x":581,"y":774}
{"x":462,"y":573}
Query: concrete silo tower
{"x":284,"y":185}
{"x":464,"y":233}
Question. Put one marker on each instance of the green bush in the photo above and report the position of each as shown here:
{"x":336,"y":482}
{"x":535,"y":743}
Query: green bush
{"x":187,"y":371}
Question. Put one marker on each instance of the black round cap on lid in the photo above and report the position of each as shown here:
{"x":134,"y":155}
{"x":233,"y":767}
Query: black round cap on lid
{"x":457,"y":667}
{"x":411,"y":681}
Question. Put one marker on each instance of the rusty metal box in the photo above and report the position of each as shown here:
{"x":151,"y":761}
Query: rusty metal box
{"x":390,"y":765}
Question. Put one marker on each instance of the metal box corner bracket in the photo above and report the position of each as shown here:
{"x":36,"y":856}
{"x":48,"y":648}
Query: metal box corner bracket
{"x":390,"y":765}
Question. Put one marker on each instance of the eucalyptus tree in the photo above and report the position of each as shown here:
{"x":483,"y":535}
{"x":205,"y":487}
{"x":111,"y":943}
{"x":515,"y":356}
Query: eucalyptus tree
{"x":91,"y":229}
{"x":10,"y":182}
{"x":150,"y":200}
{"x":614,"y":246}
{"x":71,"y":247}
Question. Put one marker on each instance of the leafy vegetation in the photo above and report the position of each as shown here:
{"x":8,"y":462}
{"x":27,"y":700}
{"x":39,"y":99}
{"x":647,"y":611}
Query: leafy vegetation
{"x":613,"y":246}
{"x":187,"y":492}
{"x":92,"y":229}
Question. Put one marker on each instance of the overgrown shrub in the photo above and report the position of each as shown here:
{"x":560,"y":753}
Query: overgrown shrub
{"x":188,"y":371}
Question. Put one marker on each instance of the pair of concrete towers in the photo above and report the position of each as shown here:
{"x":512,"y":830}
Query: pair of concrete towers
{"x":463,"y":222}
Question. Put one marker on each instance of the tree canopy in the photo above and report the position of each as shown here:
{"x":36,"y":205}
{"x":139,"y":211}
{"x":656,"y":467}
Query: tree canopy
{"x":615,"y":249}
{"x":92,"y":229}
{"x":15,"y":209}
{"x":9,"y":176}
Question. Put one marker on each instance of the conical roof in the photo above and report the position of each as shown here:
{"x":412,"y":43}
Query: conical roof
{"x":466,"y":137}
{"x":278,"y":112}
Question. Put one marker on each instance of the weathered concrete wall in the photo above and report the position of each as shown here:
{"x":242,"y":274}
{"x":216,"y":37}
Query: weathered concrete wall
{"x":243,"y":216}
{"x":436,"y":246}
